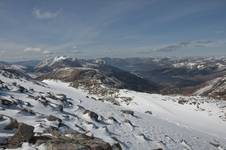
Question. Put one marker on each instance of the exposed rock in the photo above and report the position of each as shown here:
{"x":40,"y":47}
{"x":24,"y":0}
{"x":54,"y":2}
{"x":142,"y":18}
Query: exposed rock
{"x":44,"y":102}
{"x":23,"y":134}
{"x":22,"y":89}
{"x":116,"y":147}
{"x":1,"y":117}
{"x":130,"y":112}
{"x":6,"y":102}
{"x":92,"y":115}
{"x":60,"y":108}
{"x":12,"y":125}
{"x":28,"y":104}
{"x":53,"y":118}
{"x":148,"y":112}
{"x":112,"y":100}
{"x":73,"y":141}
{"x":126,"y":99}
{"x":27,"y":111}
{"x":62,"y":97}
{"x":1,"y":82}
{"x":182,"y":101}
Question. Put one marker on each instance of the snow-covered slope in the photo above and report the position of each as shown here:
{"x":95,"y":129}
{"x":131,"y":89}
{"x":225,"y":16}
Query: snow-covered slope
{"x":215,"y":88}
{"x":189,"y":112}
{"x":147,"y":121}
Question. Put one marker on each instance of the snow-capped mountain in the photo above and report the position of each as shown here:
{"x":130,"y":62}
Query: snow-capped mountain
{"x":174,"y":75}
{"x":89,"y":72}
{"x":50,"y":64}
{"x":62,"y":108}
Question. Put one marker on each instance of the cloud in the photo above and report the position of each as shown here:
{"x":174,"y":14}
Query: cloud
{"x":38,"y":50}
{"x":75,"y":47}
{"x":189,"y":44}
{"x":204,"y":44}
{"x":47,"y":52}
{"x":220,"y":31}
{"x":40,"y":14}
{"x":32,"y":49}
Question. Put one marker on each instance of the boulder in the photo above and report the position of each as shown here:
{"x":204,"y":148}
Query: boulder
{"x":12,"y":125}
{"x":116,"y":146}
{"x":92,"y":115}
{"x":23,"y":134}
{"x":26,"y":111}
{"x":148,"y":112}
{"x":6,"y":102}
{"x":22,"y":89}
{"x":53,"y":118}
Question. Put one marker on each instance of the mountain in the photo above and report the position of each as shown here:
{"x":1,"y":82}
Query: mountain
{"x":88,"y":72}
{"x":28,"y":63}
{"x":173,"y":75}
{"x":55,"y":114}
{"x":215,"y":88}
{"x":50,"y":64}
{"x":8,"y":69}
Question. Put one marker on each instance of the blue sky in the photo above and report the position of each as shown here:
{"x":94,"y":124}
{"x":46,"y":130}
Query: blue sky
{"x":33,"y":29}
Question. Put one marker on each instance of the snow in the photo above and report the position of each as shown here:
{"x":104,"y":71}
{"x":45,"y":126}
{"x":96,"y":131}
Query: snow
{"x":57,"y":59}
{"x":170,"y":126}
{"x":27,"y":146}
{"x":51,"y":61}
{"x":186,"y":115}
{"x":190,"y":65}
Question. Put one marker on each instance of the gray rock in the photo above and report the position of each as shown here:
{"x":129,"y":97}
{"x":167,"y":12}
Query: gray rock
{"x":12,"y":125}
{"x":53,"y":118}
{"x":76,"y":141}
{"x":23,"y":134}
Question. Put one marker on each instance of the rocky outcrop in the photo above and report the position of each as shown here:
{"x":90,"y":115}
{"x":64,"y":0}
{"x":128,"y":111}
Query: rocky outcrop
{"x":73,"y":141}
{"x":23,"y":134}
{"x":70,"y":140}
{"x":214,"y":88}
{"x":12,"y":125}
{"x":77,"y":142}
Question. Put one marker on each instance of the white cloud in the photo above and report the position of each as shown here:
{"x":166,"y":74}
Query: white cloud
{"x":189,"y":44}
{"x":47,"y":52}
{"x":184,"y":45}
{"x":32,"y":49}
{"x":75,"y":47}
{"x":220,"y":31}
{"x":40,"y":14}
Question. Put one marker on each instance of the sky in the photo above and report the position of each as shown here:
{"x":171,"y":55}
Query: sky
{"x":35,"y":29}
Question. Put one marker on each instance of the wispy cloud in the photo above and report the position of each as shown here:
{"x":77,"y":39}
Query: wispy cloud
{"x":188,"y":44}
{"x":12,"y":49}
{"x":47,"y":52}
{"x":220,"y":31}
{"x":41,"y":14}
{"x":32,"y":49}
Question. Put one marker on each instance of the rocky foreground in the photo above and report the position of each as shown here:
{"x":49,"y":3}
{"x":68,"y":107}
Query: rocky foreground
{"x":70,"y":140}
